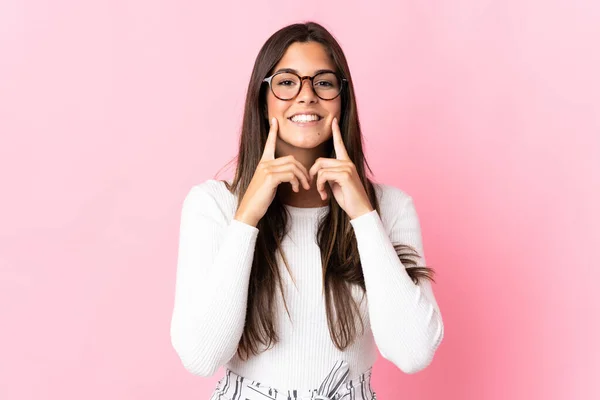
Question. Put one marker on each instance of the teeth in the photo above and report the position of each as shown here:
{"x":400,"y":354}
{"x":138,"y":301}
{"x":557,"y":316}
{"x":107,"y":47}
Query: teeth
{"x":304,"y":118}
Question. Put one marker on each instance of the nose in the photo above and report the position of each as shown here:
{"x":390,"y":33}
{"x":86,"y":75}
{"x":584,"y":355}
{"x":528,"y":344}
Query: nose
{"x":307,"y":93}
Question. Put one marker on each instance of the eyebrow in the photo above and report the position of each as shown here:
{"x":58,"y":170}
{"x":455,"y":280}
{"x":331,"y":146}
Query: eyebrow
{"x":296,"y":72}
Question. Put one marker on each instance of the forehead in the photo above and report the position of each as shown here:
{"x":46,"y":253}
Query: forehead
{"x":306,"y":58}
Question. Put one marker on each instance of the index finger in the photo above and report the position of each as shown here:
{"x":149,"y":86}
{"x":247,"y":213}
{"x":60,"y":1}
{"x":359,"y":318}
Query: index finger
{"x":269,"y":151}
{"x":338,"y":142}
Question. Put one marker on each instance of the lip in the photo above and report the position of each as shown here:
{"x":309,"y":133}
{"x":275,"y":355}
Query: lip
{"x":306,"y":124}
{"x":306,"y":112}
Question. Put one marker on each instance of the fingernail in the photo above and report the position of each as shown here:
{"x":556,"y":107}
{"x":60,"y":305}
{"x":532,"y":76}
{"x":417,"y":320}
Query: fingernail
{"x":272,"y":120}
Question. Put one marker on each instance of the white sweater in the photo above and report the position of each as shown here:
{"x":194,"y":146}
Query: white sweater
{"x":401,"y":319}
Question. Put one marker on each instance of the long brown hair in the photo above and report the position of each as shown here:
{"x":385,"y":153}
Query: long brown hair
{"x":339,"y":252}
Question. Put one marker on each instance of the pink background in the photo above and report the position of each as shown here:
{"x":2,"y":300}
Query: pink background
{"x":486,"y":112}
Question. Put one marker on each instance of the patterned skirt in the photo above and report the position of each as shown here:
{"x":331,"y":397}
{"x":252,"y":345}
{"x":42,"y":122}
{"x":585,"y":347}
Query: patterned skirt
{"x":335,"y":386}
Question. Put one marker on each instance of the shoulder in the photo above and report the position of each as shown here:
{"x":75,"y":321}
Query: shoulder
{"x":212,"y":187}
{"x":211,"y":196}
{"x":392,"y":199}
{"x":394,"y":204}
{"x":399,"y":217}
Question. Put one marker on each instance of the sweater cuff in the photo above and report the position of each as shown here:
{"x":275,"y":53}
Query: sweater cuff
{"x":367,"y":223}
{"x":372,"y":238}
{"x":242,"y":227}
{"x":241,"y":237}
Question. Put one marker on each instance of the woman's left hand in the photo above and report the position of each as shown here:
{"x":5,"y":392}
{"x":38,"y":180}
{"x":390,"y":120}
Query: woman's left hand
{"x":340,"y":173}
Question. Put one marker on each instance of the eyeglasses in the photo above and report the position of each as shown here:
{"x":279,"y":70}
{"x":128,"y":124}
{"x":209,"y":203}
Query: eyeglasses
{"x":286,"y":85}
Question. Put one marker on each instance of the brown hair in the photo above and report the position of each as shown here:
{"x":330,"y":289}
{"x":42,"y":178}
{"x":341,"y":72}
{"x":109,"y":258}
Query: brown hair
{"x":339,"y":252}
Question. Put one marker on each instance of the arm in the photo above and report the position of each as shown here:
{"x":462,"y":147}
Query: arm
{"x":213,"y":271}
{"x":405,"y":318}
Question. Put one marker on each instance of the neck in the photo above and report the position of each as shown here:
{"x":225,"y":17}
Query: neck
{"x":304,"y":198}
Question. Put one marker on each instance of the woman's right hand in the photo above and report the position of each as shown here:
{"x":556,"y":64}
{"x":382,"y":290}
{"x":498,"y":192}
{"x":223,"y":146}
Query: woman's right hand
{"x":269,"y":173}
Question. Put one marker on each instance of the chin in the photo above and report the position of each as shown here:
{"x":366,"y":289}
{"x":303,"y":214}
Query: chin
{"x":300,"y":138}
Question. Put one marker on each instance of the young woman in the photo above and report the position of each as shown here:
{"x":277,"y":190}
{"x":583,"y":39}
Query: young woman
{"x":297,"y":271}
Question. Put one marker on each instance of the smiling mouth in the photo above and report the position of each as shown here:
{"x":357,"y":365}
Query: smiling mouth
{"x":307,"y":123}
{"x":319,"y":118}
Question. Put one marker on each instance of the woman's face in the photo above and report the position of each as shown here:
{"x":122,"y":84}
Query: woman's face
{"x":305,"y":59}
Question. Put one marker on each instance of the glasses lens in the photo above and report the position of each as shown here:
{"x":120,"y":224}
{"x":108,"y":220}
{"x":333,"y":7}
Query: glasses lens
{"x":285,"y":85}
{"x":327,"y":85}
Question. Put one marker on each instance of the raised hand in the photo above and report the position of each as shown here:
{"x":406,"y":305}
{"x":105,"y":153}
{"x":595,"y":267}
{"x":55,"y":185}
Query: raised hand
{"x":269,"y":174}
{"x":341,"y":175}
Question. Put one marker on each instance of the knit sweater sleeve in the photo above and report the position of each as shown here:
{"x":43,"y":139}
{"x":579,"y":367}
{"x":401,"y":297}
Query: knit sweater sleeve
{"x":405,"y":318}
{"x":213,"y":270}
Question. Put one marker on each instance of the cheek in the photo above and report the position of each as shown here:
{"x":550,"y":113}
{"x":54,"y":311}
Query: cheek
{"x":335,"y":109}
{"x":276,"y":109}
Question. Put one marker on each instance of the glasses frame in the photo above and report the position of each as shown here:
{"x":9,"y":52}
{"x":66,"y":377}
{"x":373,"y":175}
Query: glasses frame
{"x":343,"y":81}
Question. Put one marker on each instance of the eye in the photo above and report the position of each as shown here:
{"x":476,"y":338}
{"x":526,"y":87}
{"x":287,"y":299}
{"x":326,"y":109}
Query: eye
{"x":286,"y":82}
{"x":324,"y":83}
